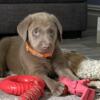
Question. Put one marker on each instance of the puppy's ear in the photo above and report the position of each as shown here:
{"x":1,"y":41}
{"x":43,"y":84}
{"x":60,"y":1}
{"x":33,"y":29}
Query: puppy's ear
{"x":23,"y":26}
{"x":59,"y":27}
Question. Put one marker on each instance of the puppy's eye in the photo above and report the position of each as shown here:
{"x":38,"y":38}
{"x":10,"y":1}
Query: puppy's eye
{"x":36,"y":32}
{"x":51,"y":32}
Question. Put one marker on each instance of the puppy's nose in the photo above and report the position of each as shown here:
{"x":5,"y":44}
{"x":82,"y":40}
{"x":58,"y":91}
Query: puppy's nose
{"x":45,"y":45}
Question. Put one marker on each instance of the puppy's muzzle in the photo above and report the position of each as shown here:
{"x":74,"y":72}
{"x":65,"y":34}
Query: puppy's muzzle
{"x":45,"y":46}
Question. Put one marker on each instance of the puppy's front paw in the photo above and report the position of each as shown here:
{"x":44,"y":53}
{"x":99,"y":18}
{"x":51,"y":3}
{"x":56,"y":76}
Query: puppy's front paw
{"x":58,"y":89}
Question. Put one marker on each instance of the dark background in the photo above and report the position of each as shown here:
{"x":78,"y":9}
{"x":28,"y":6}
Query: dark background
{"x":94,"y":2}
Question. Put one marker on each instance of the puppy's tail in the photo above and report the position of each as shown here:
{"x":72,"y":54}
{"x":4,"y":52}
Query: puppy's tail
{"x":4,"y":46}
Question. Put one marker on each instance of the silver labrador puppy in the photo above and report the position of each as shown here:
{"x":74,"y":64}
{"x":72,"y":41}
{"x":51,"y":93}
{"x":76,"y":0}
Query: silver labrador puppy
{"x":36,"y":50}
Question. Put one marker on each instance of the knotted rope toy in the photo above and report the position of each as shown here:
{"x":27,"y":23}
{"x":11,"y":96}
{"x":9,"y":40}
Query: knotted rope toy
{"x":26,"y":86}
{"x":79,"y":88}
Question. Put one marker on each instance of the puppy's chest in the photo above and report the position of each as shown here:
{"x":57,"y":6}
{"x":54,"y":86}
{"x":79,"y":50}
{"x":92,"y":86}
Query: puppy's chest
{"x":49,"y":67}
{"x":47,"y":63}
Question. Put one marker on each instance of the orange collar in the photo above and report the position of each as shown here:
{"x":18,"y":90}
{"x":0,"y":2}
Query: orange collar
{"x":36,"y":53}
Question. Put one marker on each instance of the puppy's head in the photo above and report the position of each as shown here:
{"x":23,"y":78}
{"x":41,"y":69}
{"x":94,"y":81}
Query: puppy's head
{"x":41,"y":30}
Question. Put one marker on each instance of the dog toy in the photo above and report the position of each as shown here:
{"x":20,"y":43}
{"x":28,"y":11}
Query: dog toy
{"x":25,"y":86}
{"x":79,"y":88}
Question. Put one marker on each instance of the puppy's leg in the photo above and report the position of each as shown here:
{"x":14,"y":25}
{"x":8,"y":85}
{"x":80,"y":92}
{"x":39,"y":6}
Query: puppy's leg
{"x":55,"y":87}
{"x":4,"y":45}
{"x":61,"y":66}
{"x":66,"y":72}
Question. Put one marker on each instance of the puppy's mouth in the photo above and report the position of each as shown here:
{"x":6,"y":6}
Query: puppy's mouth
{"x":45,"y":50}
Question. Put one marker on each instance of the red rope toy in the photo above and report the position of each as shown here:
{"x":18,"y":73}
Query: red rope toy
{"x":79,"y":88}
{"x":25,"y":86}
{"x":32,"y":87}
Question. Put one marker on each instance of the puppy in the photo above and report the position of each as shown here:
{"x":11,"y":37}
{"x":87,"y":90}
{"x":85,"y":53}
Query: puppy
{"x":36,"y":50}
{"x":84,"y":67}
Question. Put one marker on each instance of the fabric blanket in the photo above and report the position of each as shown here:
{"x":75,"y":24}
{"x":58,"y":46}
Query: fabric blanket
{"x":47,"y":96}
{"x":4,"y":96}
